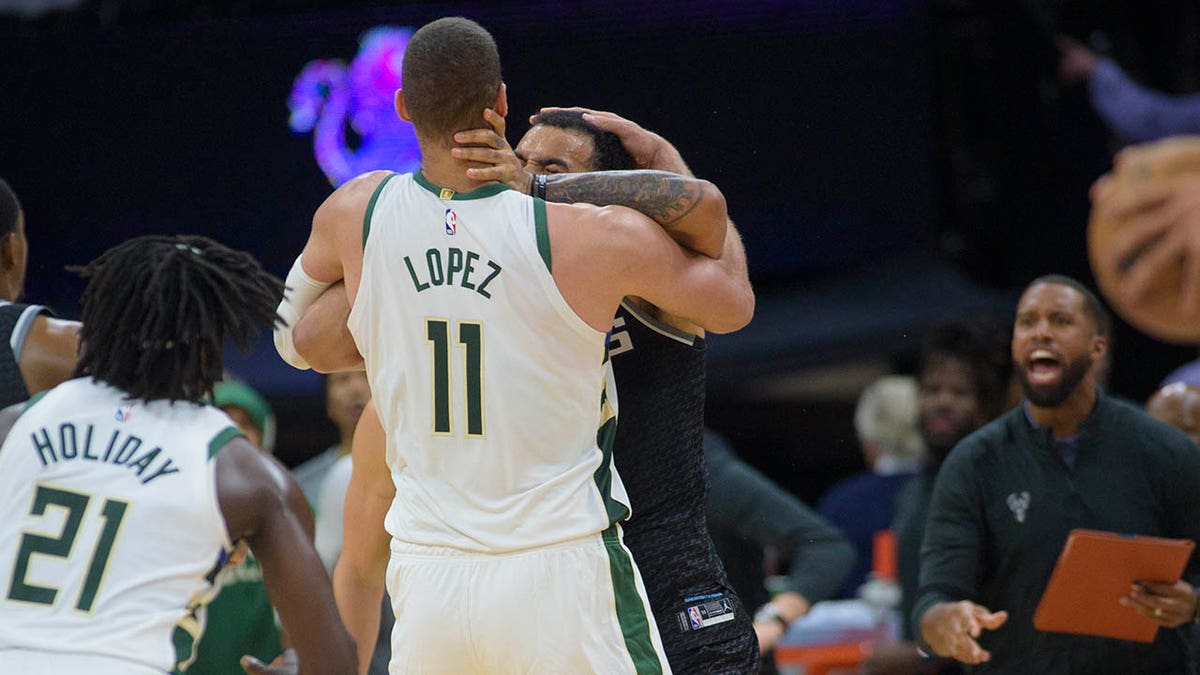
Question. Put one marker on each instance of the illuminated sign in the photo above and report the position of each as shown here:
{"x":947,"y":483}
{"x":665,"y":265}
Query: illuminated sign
{"x":350,"y":109}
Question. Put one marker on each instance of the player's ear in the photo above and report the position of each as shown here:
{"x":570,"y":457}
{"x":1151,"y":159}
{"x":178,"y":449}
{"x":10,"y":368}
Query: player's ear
{"x":501,"y":106}
{"x":401,"y":109}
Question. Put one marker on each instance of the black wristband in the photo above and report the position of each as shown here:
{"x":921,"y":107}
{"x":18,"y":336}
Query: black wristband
{"x":538,"y":189}
{"x":768,"y":612}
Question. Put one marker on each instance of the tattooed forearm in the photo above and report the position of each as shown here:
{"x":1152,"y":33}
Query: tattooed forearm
{"x":664,"y":197}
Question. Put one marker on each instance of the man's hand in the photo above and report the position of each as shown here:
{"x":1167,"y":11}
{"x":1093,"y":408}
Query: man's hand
{"x":488,"y":146}
{"x":285,"y":664}
{"x":951,"y":628}
{"x":893,"y":658}
{"x":1168,"y":605}
{"x":787,"y":606}
{"x":1075,"y":61}
{"x":1160,"y":227}
{"x":648,"y":149}
{"x":768,"y":634}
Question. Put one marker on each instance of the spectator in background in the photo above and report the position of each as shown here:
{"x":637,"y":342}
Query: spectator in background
{"x":345,"y":396}
{"x":240,"y":619}
{"x":1134,"y":113}
{"x":748,"y":512}
{"x":863,"y":504}
{"x":962,"y":378}
{"x":1177,"y":401}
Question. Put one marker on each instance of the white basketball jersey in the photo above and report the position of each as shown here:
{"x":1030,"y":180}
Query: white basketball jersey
{"x":109,"y":526}
{"x":489,"y":386}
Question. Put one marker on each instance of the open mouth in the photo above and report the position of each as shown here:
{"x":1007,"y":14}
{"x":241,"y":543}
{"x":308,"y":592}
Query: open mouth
{"x":1044,"y":367}
{"x":941,"y":426}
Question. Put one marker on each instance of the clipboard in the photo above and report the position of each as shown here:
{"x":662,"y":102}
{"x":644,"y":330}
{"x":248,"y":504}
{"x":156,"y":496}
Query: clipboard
{"x":1096,"y":569}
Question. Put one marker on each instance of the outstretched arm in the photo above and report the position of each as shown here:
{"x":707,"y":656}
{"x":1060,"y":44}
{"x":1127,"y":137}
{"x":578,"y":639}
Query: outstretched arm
{"x":359,"y":578}
{"x":262,"y":504}
{"x":692,"y":211}
{"x":730,"y":304}
{"x":651,"y":151}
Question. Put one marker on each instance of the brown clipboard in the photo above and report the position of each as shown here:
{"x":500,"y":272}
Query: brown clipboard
{"x":1095,"y":570}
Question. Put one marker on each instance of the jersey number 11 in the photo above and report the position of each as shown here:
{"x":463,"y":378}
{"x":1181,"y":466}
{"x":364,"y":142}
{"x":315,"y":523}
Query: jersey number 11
{"x":470,"y":338}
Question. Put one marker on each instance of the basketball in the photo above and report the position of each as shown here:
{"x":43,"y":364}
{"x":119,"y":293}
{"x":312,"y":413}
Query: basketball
{"x":1157,"y":313}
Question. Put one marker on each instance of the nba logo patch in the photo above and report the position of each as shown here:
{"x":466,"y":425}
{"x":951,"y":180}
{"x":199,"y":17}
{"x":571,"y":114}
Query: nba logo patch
{"x":451,"y":222}
{"x":124,"y":413}
{"x":696,"y":619}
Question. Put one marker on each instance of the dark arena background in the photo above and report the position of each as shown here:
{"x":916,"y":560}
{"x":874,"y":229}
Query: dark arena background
{"x":890,"y":163}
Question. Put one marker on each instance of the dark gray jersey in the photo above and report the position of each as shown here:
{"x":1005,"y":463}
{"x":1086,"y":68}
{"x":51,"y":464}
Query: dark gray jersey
{"x":15,"y":320}
{"x":659,"y":374}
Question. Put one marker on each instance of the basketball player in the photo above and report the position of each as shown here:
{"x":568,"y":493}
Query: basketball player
{"x":503,"y":486}
{"x":658,"y":367}
{"x":124,"y":494}
{"x":37,"y":351}
{"x":658,"y":362}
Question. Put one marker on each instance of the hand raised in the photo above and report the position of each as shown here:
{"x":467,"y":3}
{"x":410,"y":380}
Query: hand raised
{"x":488,"y":146}
{"x":951,"y":629}
{"x":1168,"y":605}
{"x":648,"y":149}
{"x":286,"y":663}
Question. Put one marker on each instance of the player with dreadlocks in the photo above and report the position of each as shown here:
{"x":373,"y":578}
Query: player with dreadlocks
{"x":124,"y":493}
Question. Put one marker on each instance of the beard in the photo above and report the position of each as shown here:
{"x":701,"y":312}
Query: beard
{"x":1050,"y":396}
{"x":939,"y":446}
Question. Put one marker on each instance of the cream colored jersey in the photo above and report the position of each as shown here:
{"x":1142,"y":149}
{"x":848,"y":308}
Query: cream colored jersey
{"x":110,"y":530}
{"x":489,"y":386}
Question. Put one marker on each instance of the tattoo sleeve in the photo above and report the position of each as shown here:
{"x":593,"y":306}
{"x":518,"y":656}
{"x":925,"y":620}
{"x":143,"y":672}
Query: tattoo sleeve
{"x":664,"y":197}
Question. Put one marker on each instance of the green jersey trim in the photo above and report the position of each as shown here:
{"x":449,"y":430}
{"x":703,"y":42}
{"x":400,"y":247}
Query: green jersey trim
{"x":543,"y":233}
{"x":184,"y":639}
{"x":371,"y":207}
{"x":33,"y":400}
{"x":222,"y":439}
{"x":606,"y":436}
{"x":446,"y":193}
{"x":631,"y":606}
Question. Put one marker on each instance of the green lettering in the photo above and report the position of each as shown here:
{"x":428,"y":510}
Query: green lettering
{"x":129,"y":447}
{"x":144,"y":461}
{"x":87,"y":445}
{"x":482,"y":287}
{"x":66,"y":441}
{"x":472,"y":256}
{"x":433,"y":258}
{"x":413,"y":273}
{"x":167,"y":468}
{"x":112,"y":443}
{"x":454,"y":263}
{"x":43,"y":446}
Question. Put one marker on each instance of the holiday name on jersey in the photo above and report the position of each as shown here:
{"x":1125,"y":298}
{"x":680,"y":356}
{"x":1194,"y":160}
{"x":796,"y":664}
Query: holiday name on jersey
{"x":440,"y":270}
{"x":71,"y":444}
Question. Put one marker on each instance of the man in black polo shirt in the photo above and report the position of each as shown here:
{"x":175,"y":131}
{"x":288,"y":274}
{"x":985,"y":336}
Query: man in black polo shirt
{"x":1068,"y":457}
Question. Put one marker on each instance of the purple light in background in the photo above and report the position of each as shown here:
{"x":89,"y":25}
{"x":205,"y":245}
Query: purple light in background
{"x":350,"y":109}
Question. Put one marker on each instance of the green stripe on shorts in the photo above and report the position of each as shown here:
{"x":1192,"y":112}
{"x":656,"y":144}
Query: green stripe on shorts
{"x":631,"y":611}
